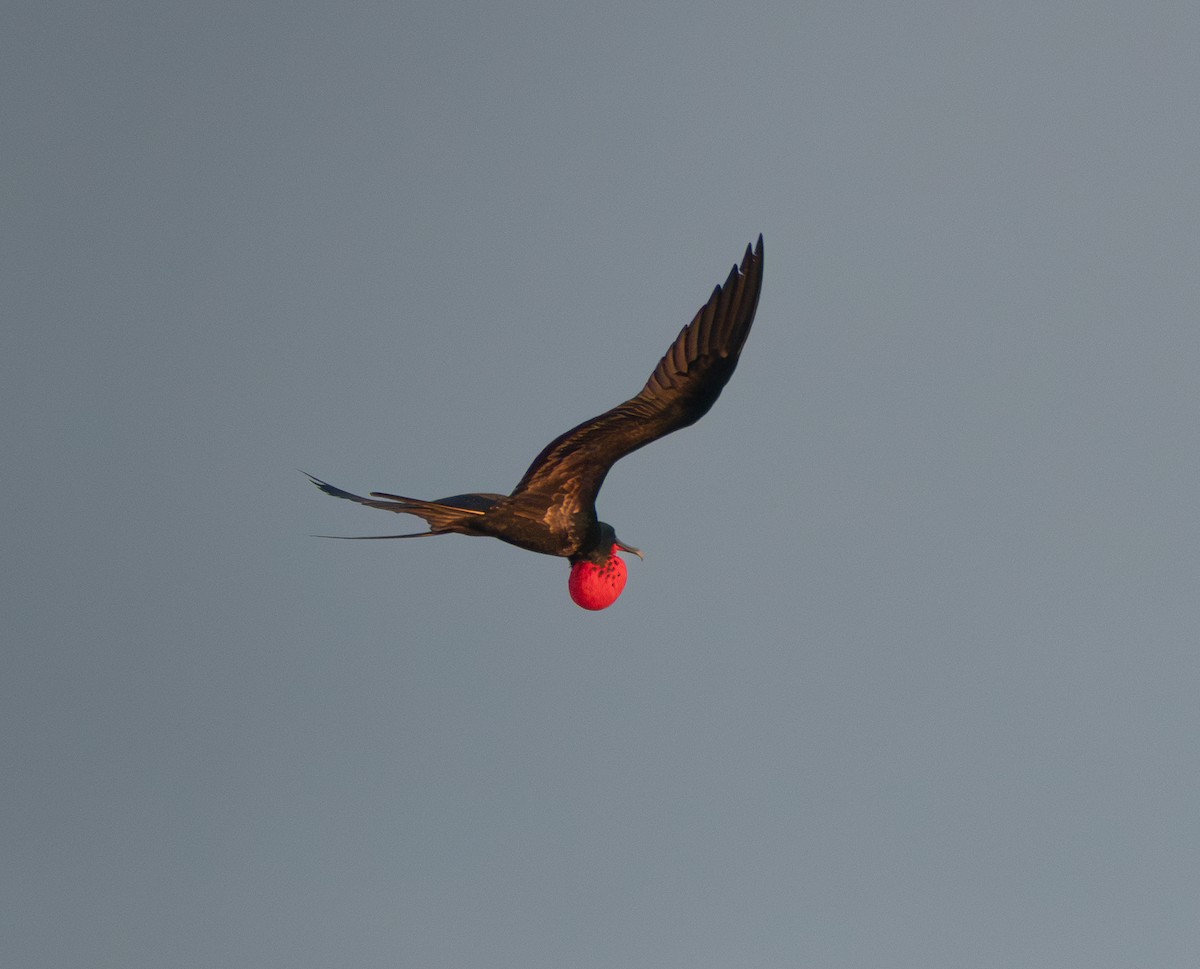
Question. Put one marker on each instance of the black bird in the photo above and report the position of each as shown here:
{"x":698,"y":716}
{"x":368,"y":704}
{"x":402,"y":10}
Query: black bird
{"x":552,"y":510}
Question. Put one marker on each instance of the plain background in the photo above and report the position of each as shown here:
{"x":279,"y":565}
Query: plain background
{"x":909,"y":676}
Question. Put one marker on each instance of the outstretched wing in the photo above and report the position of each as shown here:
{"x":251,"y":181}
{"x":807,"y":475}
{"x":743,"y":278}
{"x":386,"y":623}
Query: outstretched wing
{"x":449,"y":515}
{"x":684,"y":385}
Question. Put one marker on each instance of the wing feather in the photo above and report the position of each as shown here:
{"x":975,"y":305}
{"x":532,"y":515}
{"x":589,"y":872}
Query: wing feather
{"x":684,"y":385}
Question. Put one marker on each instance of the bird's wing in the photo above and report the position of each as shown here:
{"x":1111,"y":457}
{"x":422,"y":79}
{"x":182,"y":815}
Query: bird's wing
{"x":441,"y":515}
{"x":684,"y":385}
{"x":392,"y":503}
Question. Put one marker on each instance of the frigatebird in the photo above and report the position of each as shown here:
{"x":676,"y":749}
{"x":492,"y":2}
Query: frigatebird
{"x":552,"y":510}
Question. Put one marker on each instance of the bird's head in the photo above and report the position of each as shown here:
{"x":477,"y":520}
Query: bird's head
{"x":598,"y":574}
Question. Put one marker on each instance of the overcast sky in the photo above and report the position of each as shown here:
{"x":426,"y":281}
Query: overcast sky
{"x":909,"y":675}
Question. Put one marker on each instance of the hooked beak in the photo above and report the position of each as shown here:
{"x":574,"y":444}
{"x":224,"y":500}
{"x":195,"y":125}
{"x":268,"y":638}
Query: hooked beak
{"x":630,"y":549}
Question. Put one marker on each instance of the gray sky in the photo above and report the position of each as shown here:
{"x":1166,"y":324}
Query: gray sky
{"x":909,"y":676}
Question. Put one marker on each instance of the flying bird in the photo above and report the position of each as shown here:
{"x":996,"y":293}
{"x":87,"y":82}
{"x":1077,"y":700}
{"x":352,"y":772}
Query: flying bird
{"x":552,"y":510}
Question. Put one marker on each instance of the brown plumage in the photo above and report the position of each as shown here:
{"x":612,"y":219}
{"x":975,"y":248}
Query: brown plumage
{"x":552,"y":510}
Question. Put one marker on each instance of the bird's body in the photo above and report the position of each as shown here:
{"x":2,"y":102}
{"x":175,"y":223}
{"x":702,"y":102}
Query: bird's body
{"x":525,"y":520}
{"x":552,"y":510}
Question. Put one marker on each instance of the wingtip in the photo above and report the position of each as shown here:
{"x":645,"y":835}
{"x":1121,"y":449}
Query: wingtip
{"x":325,"y":486}
{"x":751,"y":256}
{"x":371,"y":538}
